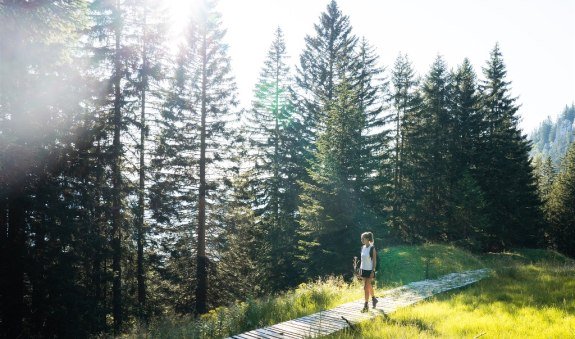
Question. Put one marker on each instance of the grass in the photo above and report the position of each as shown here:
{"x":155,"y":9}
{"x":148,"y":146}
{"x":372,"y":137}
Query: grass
{"x":255,"y":313}
{"x":531,"y":293}
{"x":400,"y":265}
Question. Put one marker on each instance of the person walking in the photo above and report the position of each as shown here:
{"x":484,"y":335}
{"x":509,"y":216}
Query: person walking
{"x":367,"y":267}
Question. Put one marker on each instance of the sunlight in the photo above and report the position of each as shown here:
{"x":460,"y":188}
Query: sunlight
{"x":179,"y":15}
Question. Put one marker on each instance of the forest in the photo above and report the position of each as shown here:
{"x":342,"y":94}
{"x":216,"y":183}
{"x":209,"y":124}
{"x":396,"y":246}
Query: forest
{"x":134,"y":186}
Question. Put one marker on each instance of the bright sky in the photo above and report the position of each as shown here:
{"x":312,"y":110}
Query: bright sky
{"x":537,"y":39}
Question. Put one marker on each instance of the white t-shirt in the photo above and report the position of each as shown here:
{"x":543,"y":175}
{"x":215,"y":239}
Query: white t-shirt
{"x":366,"y":263}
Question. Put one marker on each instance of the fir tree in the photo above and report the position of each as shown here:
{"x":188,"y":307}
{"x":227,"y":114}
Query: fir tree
{"x":468,"y":126}
{"x":42,"y":237}
{"x":318,"y":73}
{"x":504,"y":170}
{"x":340,"y":89}
{"x":194,"y":141}
{"x":274,"y":133}
{"x":405,"y":101}
{"x":560,"y":207}
{"x":428,"y":143}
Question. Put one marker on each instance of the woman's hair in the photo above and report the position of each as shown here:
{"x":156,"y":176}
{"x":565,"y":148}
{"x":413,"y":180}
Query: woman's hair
{"x":368,"y":236}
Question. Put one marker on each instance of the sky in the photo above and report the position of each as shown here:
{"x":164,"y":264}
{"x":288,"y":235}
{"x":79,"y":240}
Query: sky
{"x":536,"y":37}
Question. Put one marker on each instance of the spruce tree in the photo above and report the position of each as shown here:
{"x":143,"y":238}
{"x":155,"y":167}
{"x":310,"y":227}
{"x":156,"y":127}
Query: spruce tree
{"x":469,"y":218}
{"x":330,"y":209}
{"x":405,"y":101}
{"x":274,"y":127}
{"x":43,"y":231}
{"x":373,"y":182}
{"x":504,"y":171}
{"x":194,"y":141}
{"x":428,"y":147}
{"x":340,"y":90}
{"x":318,"y":74}
{"x":560,"y":209}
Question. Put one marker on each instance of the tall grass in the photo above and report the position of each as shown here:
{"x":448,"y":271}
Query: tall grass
{"x":530,"y":295}
{"x":255,"y":313}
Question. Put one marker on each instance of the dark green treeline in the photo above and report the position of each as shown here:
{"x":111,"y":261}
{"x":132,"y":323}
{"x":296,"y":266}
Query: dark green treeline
{"x":133,"y":186}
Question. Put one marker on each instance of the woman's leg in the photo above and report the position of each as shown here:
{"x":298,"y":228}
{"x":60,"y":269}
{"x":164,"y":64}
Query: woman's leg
{"x":366,"y":288}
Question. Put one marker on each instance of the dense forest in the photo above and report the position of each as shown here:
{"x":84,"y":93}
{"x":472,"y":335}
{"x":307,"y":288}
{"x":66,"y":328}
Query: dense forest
{"x":552,"y":139}
{"x":132,"y":185}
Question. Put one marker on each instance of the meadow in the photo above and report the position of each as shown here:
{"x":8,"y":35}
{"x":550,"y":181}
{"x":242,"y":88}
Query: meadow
{"x":529,"y":294}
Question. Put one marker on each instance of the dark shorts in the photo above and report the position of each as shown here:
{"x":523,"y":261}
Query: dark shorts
{"x":366,"y":273}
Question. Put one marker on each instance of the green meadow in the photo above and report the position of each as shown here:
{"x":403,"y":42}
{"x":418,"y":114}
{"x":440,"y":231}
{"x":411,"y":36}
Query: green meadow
{"x":529,"y":294}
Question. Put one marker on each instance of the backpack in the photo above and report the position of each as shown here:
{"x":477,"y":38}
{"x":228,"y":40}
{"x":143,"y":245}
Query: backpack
{"x":371,"y":251}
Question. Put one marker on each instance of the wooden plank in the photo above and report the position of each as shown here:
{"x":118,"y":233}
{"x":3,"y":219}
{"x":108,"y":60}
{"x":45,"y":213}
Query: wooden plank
{"x":319,"y":326}
{"x":313,"y":330}
{"x":283,"y":333}
{"x":298,"y":326}
{"x":292,"y":329}
{"x":318,"y":323}
{"x":335,"y":317}
{"x":351,"y":317}
{"x":246,"y":335}
{"x":268,"y":333}
{"x":257,"y":334}
{"x":355,"y":315}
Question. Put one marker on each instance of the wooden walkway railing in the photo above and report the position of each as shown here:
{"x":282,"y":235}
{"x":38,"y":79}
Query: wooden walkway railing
{"x":341,"y":317}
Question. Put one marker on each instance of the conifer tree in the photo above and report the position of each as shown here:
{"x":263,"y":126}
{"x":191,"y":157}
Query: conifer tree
{"x":318,"y":73}
{"x":42,"y":230}
{"x":275,"y":129}
{"x":373,"y":182}
{"x":194,"y":140}
{"x":330,"y":201}
{"x":149,"y":74}
{"x":469,"y":206}
{"x":504,"y":171}
{"x":340,"y":88}
{"x":405,"y":101}
{"x":560,"y":207}
{"x":545,"y":173}
{"x":467,"y":124}
{"x":428,"y":140}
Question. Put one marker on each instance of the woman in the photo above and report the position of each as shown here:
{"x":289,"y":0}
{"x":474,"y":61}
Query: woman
{"x":367,"y":266}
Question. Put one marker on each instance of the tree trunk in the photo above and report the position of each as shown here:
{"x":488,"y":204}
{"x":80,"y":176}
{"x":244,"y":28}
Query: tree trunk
{"x":116,"y":185}
{"x":3,"y":261}
{"x":202,"y":274}
{"x":141,"y":190}
{"x":13,"y":294}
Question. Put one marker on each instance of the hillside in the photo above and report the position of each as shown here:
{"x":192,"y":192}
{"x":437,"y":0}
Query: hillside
{"x":551,"y":139}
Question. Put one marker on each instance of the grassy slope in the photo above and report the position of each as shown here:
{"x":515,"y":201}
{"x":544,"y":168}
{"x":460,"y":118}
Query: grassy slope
{"x":530,"y":293}
{"x":403,"y":264}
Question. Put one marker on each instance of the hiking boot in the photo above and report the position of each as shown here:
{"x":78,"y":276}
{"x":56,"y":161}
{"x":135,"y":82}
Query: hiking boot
{"x":374,"y":301}
{"x":365,"y":308}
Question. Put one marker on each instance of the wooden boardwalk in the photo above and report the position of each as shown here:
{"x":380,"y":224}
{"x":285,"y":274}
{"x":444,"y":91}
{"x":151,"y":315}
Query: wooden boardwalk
{"x":336,"y":319}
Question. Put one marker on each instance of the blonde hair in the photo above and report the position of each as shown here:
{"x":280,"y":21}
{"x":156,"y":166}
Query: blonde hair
{"x":368,"y":236}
